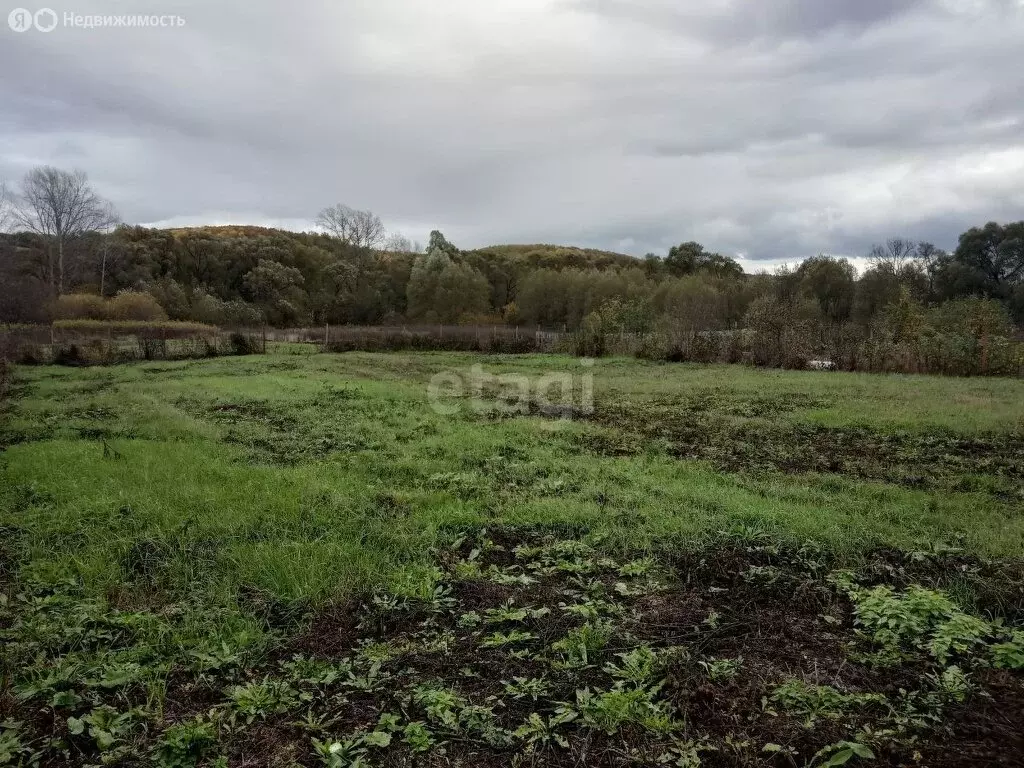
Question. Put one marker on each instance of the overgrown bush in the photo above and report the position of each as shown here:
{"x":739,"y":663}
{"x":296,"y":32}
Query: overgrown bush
{"x":134,"y":305}
{"x":968,"y":337}
{"x":153,"y":349}
{"x":590,"y":339}
{"x":172,"y":297}
{"x":68,"y":355}
{"x":79,"y":306}
{"x":783,"y":332}
{"x":127,"y":305}
{"x":232,"y":314}
{"x":241,"y":344}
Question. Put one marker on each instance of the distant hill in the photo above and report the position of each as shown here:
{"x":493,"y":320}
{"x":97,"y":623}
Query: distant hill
{"x":541,"y":256}
{"x":532,"y":255}
{"x":229,"y":230}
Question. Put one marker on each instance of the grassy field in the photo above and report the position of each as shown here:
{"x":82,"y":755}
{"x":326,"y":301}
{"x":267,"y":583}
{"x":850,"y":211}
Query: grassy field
{"x":294,"y":559}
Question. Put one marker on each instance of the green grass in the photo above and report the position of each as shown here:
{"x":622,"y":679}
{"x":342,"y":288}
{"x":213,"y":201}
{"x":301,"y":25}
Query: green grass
{"x":340,"y":475}
{"x":178,"y":518}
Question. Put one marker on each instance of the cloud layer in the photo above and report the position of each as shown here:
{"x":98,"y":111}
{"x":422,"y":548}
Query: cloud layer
{"x":768,"y":130}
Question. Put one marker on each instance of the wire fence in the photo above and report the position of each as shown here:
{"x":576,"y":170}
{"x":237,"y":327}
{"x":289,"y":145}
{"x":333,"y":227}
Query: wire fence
{"x":493,"y":339}
{"x":104,"y":342}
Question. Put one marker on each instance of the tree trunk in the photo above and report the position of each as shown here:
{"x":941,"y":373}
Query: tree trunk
{"x":60,"y":266}
{"x":51,"y":270}
{"x":103,"y":272}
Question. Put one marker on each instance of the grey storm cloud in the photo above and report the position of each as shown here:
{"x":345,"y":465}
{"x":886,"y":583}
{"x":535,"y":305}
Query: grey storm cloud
{"x":769,"y":130}
{"x":745,"y":20}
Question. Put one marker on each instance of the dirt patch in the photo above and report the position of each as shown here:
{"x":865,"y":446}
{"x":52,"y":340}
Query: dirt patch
{"x":729,"y":629}
{"x":533,"y":649}
{"x":987,"y":731}
{"x":331,"y":633}
{"x":268,"y":745}
{"x":710,"y":432}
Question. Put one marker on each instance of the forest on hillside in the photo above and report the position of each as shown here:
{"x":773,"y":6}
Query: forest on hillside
{"x":353,"y":273}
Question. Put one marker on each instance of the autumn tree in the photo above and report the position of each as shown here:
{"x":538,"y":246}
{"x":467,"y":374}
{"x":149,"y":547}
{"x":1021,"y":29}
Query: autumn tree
{"x":830,"y":282}
{"x":783,"y":331}
{"x":876,"y":289}
{"x":690,"y":304}
{"x":929,"y":260}
{"x":683,"y":259}
{"x":541,"y":298}
{"x":443,"y":289}
{"x":277,"y":290}
{"x":654,"y":267}
{"x":996,"y":253}
{"x":690,"y":258}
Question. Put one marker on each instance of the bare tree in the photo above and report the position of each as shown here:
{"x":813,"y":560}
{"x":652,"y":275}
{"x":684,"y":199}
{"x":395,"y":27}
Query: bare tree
{"x":928,"y":254}
{"x":398,"y":243}
{"x":897,"y":254}
{"x":369,"y":230}
{"x":929,"y":258}
{"x":337,"y":221}
{"x":362,"y":229}
{"x":60,"y":206}
{"x":111,"y":220}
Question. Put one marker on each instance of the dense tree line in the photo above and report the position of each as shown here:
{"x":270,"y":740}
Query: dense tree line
{"x":64,"y":241}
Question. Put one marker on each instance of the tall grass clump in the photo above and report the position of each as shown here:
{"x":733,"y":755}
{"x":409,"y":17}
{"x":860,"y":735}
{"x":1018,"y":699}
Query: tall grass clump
{"x":126,"y":306}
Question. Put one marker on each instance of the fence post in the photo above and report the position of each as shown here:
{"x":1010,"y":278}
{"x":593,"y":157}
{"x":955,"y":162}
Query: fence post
{"x":327,"y":335}
{"x":264,"y":339}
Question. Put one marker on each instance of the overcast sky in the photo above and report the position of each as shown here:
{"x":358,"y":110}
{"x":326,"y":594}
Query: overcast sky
{"x":766,"y":129}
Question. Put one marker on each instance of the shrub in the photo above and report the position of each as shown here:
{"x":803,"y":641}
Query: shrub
{"x":243,"y":345}
{"x":589,"y":340}
{"x":235,"y":314}
{"x":69,"y":355}
{"x":134,"y":305}
{"x":240,"y":314}
{"x":153,"y":349}
{"x":782,"y":331}
{"x":79,"y":306}
{"x":171,"y":296}
{"x":128,"y":305}
{"x":207,"y":309}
